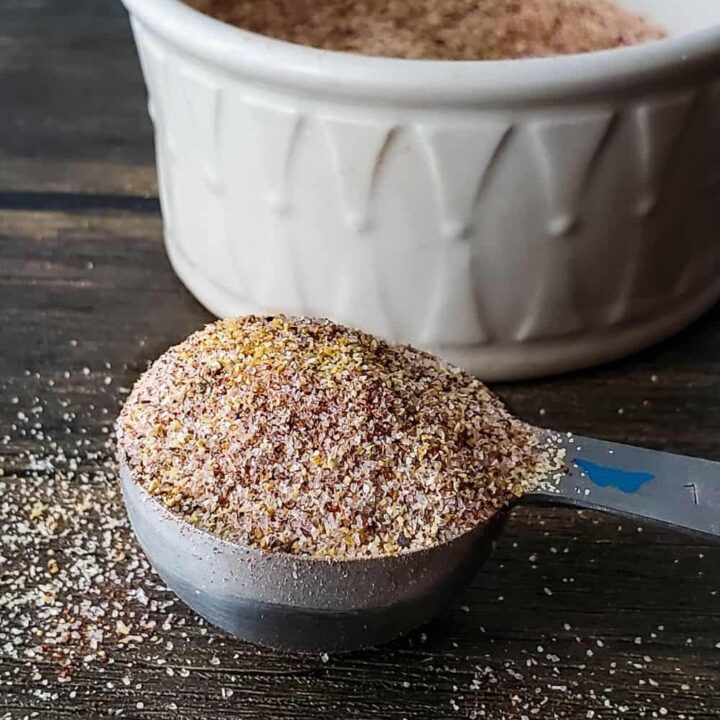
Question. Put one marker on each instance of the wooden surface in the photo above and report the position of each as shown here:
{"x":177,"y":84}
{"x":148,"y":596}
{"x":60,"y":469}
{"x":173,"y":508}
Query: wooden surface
{"x":575,"y":616}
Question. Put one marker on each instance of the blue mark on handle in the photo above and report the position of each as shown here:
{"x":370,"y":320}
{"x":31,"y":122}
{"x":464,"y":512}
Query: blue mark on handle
{"x":604,"y":476}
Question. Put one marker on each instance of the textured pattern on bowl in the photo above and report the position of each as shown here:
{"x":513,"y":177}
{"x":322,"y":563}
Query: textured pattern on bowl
{"x":516,"y":229}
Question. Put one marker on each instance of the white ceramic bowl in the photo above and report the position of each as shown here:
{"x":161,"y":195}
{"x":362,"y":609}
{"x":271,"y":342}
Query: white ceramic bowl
{"x":519,"y":217}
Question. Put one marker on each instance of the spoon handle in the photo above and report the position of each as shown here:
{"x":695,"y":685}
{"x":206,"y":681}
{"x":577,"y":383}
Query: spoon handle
{"x":673,"y":490}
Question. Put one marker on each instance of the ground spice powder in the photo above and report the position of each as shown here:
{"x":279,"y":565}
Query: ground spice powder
{"x":441,"y":29}
{"x":305,"y":437}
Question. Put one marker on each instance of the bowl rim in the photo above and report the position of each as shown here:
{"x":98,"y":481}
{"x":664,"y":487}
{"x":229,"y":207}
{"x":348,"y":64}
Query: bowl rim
{"x":526,"y":80}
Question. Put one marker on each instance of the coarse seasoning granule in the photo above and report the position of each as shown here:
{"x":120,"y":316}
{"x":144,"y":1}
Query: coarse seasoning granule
{"x":441,"y":29}
{"x":302,"y":436}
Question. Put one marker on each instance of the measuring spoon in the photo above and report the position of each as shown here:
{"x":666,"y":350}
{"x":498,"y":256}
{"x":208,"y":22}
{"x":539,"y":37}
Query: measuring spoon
{"x":302,"y":603}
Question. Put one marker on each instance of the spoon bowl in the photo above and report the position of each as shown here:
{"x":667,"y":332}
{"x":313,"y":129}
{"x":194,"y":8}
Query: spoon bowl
{"x":297,"y":602}
{"x":313,"y":604}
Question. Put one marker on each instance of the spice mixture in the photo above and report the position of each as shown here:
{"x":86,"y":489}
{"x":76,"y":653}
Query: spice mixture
{"x":441,"y":29}
{"x":302,"y":436}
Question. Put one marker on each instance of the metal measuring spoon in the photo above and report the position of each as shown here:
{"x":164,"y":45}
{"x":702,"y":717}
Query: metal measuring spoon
{"x":308,"y":604}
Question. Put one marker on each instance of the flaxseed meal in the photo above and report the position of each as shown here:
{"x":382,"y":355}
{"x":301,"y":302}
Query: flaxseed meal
{"x":302,"y":436}
{"x":441,"y":29}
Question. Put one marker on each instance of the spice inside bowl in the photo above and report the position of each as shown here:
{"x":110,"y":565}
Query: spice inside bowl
{"x":301,"y":436}
{"x":445,"y":30}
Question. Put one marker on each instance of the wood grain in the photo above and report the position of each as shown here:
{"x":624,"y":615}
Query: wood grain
{"x":74,"y":106}
{"x":103,"y":279}
{"x":548,"y":629}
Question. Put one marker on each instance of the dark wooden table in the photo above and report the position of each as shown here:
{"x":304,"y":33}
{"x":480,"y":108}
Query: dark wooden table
{"x":576,"y":615}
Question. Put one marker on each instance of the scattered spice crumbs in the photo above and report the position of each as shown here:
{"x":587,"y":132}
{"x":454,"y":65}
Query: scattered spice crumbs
{"x":74,"y":586}
{"x":303,"y":436}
